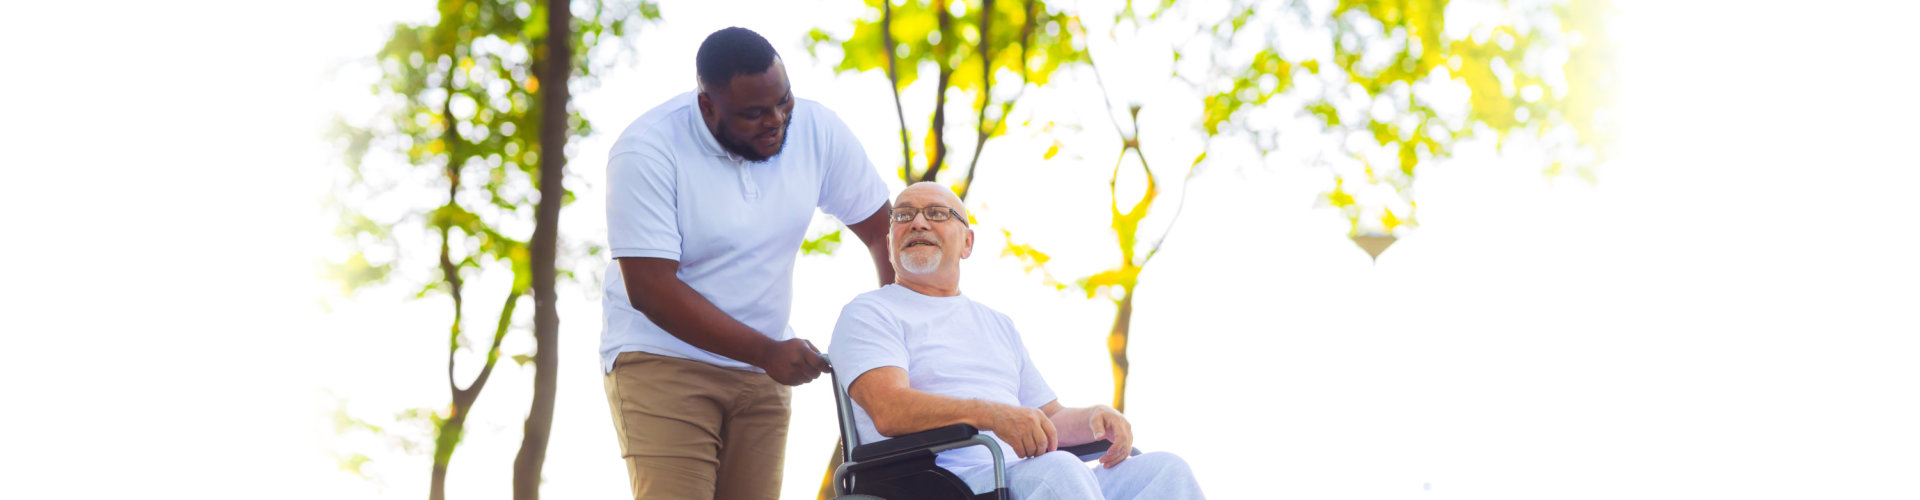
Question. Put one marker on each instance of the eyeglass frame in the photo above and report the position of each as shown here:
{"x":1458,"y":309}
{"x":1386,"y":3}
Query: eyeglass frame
{"x":922,"y":211}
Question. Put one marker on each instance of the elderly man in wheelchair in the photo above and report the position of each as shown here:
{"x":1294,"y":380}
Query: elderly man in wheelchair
{"x":945,"y":402}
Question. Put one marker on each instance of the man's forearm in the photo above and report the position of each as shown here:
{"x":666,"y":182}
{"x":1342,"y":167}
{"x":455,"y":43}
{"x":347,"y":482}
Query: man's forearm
{"x":677,"y":308}
{"x":882,"y":266}
{"x":906,"y":411}
{"x":1075,"y":425}
{"x":897,"y":408}
{"x":873,"y":234}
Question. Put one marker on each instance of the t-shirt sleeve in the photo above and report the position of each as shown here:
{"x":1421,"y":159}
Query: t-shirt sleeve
{"x":642,"y":208}
{"x":864,"y":339}
{"x":1034,"y":391}
{"x":851,"y":189}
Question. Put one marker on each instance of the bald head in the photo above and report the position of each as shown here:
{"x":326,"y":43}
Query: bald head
{"x":932,"y":193}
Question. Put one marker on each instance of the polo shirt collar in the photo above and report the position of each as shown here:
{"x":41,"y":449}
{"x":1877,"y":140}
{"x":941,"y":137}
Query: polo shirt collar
{"x":708,"y":143}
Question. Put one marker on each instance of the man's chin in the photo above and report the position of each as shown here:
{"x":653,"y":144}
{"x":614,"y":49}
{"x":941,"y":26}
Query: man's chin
{"x":767,"y":155}
{"x":751,"y":153}
{"x":920,"y":266}
{"x":755,"y":155}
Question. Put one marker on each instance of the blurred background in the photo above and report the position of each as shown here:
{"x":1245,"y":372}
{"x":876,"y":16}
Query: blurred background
{"x":1321,"y":249}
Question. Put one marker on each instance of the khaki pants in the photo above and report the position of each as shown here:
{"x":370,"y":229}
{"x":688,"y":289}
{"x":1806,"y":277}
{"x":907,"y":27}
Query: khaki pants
{"x":692,"y":430}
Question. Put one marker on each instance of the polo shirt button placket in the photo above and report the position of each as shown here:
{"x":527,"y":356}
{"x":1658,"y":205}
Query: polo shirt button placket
{"x":746,"y":180}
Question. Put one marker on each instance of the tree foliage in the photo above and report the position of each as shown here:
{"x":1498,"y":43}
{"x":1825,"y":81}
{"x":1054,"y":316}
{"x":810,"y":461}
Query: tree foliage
{"x":1384,"y":80}
{"x":452,"y":193}
{"x":1381,"y":86}
{"x":985,"y":53}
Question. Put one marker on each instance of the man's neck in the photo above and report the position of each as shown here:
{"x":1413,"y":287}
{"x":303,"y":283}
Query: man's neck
{"x":947,"y":288}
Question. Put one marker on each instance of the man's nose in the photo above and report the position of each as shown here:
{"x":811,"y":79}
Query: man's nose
{"x":774,"y":119}
{"x":920,"y":222}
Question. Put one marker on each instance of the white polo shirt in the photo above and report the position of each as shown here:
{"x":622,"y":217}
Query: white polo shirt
{"x":734,"y":226}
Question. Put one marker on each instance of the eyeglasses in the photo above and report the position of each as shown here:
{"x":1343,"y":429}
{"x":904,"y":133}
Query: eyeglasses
{"x":904,"y":215}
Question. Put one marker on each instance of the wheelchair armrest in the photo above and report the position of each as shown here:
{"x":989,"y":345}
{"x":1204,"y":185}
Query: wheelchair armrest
{"x":919,"y":440}
{"x":922,"y":445}
{"x":1092,"y":451}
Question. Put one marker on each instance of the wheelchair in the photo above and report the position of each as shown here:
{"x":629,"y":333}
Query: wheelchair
{"x":903,"y":467}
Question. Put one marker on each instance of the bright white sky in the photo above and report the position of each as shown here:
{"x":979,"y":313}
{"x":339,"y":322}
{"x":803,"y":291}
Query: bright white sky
{"x":1726,"y":314}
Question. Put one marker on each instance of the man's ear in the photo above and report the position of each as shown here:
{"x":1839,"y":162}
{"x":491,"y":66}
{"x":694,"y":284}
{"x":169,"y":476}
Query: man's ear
{"x":892,"y":256}
{"x":707,"y":113}
{"x":967,"y":250}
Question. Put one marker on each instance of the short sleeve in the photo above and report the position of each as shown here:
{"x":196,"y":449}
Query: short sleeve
{"x":1034,"y":391}
{"x":851,"y":189}
{"x":864,"y":339}
{"x":642,"y":207}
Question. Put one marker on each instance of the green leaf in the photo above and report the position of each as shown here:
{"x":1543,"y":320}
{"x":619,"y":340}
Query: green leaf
{"x":824,"y":244}
{"x":352,"y":463}
{"x":1338,"y":197}
{"x":1031,"y":259}
{"x":1326,"y":112}
{"x":356,"y":273}
{"x":1124,"y":277}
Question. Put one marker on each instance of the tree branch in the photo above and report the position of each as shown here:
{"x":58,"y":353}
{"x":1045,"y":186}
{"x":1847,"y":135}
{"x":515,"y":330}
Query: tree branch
{"x":893,"y":84}
{"x":499,"y":332}
{"x":1179,"y":208}
{"x":985,"y":98}
{"x":943,"y":57}
{"x":450,"y":271}
{"x":1105,"y":96}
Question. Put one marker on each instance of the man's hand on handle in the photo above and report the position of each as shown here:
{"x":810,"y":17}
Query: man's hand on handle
{"x":793,"y":362}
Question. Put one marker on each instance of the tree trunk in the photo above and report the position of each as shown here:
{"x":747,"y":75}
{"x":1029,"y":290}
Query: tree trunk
{"x":446,"y":441}
{"x":546,"y":236}
{"x":442,"y":453}
{"x":1117,"y":348}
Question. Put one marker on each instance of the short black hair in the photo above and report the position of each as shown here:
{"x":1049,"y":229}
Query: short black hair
{"x":732,"y":52}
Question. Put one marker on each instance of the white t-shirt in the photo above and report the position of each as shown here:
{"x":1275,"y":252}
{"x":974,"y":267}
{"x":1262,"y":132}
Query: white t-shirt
{"x":734,"y":226}
{"x":949,"y":346}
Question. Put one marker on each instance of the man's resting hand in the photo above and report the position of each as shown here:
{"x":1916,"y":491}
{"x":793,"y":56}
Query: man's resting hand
{"x":1109,"y":424}
{"x":1027,"y":430}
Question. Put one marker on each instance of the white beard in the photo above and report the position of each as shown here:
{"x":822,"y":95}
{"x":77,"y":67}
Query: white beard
{"x":921,"y":263}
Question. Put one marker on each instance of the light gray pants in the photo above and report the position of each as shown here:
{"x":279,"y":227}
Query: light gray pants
{"x":1060,"y":475}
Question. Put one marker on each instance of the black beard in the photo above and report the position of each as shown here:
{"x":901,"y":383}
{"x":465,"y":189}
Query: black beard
{"x":746,"y":151}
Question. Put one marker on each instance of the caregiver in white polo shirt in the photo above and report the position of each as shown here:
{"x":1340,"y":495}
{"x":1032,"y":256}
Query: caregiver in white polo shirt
{"x":709,"y":196}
